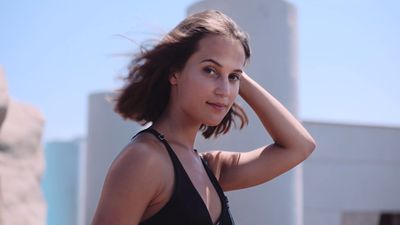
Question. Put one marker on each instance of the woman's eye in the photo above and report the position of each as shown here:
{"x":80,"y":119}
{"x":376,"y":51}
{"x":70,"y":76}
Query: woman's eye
{"x":234,"y":77}
{"x":210,"y":71}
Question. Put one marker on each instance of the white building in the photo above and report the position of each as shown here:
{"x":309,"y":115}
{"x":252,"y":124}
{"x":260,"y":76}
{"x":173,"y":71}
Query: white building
{"x":352,"y":177}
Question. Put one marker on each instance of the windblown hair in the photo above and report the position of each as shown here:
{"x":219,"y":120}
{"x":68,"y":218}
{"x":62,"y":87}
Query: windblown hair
{"x":147,"y":89}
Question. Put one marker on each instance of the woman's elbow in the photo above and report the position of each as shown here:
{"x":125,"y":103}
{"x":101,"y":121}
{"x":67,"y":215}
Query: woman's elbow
{"x":309,"y":146}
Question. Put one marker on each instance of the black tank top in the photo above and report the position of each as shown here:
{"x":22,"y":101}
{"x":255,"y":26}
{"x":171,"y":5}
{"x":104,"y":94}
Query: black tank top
{"x":186,"y":207}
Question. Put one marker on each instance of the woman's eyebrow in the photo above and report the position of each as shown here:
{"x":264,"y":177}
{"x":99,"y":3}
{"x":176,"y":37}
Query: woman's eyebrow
{"x":219,"y":64}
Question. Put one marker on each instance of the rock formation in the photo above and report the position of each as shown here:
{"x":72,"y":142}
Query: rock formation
{"x":21,"y":162}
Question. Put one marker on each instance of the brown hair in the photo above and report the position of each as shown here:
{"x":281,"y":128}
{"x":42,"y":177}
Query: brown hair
{"x":147,"y":90}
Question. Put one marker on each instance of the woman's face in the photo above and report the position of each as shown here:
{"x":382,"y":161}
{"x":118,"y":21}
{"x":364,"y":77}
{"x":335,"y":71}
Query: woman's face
{"x":207,"y":86}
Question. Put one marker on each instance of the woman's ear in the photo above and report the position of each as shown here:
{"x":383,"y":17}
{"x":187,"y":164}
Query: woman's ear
{"x":173,"y":78}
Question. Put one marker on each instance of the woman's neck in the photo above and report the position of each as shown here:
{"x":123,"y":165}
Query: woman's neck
{"x":177,"y":129}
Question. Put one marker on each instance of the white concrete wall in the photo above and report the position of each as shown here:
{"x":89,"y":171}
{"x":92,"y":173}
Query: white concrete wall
{"x":272,"y":26}
{"x":108,"y":133}
{"x":354,"y":169}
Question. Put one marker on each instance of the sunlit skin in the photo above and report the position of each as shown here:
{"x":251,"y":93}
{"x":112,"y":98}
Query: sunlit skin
{"x":202,"y":93}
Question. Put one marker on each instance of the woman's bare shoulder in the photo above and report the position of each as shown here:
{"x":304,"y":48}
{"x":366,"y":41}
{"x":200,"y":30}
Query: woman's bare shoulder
{"x":144,"y":152}
{"x":135,"y":178}
{"x":140,"y":167}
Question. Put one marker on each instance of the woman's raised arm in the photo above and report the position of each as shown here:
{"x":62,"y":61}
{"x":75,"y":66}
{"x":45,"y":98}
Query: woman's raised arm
{"x":292,"y":143}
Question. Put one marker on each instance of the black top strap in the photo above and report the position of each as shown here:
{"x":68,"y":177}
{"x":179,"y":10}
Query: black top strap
{"x":160,"y":137}
{"x":152,"y":131}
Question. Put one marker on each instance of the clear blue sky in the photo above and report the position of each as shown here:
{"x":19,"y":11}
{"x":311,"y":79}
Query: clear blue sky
{"x":56,"y":53}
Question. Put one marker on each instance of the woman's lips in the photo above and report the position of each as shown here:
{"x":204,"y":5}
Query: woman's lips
{"x":217,"y":106}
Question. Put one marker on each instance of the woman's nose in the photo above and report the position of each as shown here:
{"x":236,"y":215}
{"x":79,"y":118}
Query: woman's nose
{"x":222,"y":87}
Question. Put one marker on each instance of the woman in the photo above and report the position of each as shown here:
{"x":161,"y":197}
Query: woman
{"x":186,"y":83}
